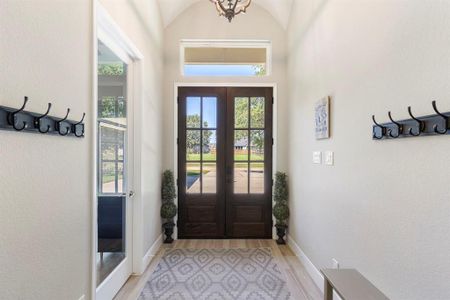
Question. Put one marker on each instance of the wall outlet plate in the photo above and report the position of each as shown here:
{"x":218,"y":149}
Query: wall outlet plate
{"x":317,"y":157}
{"x":335,"y":263}
{"x":329,"y":158}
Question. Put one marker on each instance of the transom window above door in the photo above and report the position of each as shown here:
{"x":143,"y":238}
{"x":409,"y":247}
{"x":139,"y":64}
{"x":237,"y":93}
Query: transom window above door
{"x":225,"y":58}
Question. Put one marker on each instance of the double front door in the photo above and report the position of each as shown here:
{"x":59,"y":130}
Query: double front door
{"x":225,"y":162}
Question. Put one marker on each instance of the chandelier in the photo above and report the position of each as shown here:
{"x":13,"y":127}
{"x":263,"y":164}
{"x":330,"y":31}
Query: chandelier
{"x":231,"y":8}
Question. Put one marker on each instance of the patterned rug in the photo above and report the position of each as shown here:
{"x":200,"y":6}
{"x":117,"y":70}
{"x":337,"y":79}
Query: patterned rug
{"x":213,"y":274}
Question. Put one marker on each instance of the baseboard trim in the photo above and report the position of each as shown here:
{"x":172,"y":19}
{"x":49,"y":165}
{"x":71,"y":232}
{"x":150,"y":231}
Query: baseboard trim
{"x":151,"y":252}
{"x":315,"y":274}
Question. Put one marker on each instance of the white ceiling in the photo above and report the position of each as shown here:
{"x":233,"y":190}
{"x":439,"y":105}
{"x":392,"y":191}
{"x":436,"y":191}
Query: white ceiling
{"x":279,"y":9}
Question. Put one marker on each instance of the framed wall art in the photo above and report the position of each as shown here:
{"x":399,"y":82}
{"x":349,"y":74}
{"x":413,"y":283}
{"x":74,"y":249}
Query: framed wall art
{"x":322,"y":118}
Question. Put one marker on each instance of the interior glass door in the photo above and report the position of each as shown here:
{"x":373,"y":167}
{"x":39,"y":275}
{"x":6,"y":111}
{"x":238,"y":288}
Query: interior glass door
{"x":113,"y":262}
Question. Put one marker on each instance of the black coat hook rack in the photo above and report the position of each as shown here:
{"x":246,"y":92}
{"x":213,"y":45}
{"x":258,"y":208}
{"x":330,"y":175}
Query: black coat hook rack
{"x":25,"y":121}
{"x":436,"y":124}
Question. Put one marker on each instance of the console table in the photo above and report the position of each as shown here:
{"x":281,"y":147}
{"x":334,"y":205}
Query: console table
{"x":349,"y":284}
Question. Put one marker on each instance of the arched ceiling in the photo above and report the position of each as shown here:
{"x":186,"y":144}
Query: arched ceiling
{"x":279,"y":9}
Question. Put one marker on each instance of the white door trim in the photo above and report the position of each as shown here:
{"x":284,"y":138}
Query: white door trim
{"x":227,"y":84}
{"x":107,"y":30}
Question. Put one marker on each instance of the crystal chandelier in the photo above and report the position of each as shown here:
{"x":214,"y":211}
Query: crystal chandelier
{"x":231,"y":8}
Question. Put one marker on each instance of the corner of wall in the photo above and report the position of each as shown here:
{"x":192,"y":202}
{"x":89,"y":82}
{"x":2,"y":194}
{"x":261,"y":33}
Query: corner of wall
{"x":151,"y":253}
{"x":315,"y":274}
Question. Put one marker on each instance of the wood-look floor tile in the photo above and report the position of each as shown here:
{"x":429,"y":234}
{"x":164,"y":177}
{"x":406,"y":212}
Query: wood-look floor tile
{"x":302,"y":287}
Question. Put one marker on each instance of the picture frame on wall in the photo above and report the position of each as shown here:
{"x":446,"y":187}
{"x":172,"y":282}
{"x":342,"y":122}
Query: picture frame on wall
{"x":322,"y":118}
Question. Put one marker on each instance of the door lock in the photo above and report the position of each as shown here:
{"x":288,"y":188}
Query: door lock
{"x":131,"y":194}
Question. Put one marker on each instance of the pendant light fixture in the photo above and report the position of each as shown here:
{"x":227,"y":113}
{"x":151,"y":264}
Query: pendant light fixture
{"x":230,"y":8}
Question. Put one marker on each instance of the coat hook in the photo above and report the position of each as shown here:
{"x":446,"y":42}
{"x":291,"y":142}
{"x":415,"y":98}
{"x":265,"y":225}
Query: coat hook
{"x":58,"y":124}
{"x":82,"y":119}
{"x":420,"y":124}
{"x":12,"y":116}
{"x":37,"y":121}
{"x":79,"y":123}
{"x":383,"y":129}
{"x":435,"y":127}
{"x":399,"y":127}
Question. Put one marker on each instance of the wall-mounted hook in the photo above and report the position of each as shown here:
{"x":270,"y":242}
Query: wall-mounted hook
{"x":399,"y":127}
{"x":77,"y":124}
{"x":383,"y":129}
{"x":58,"y":124}
{"x":420,"y":124}
{"x":12,"y":116}
{"x":446,"y":118}
{"x":37,"y":121}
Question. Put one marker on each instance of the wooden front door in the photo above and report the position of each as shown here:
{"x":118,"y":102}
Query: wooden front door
{"x":225,"y":162}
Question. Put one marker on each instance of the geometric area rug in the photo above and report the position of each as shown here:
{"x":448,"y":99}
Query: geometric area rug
{"x":216,"y":274}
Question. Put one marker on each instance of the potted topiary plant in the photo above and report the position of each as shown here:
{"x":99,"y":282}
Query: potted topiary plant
{"x":168,"y":207}
{"x":281,"y":209}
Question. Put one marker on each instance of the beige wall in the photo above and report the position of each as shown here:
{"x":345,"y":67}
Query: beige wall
{"x":383,"y":208}
{"x":45,"y":187}
{"x":45,"y":200}
{"x":256,"y":24}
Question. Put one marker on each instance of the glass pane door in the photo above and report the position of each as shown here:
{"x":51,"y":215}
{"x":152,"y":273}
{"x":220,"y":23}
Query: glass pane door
{"x":249,"y":162}
{"x":112,"y":162}
{"x":201,"y":167}
{"x":249,"y":136}
{"x":225,"y":162}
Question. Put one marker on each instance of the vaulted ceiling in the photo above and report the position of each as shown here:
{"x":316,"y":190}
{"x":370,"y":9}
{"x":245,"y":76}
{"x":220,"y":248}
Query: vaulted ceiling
{"x":279,"y":9}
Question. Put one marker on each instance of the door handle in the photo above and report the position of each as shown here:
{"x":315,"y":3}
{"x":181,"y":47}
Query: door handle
{"x":229,"y":171}
{"x":229,"y":175}
{"x":131,"y":194}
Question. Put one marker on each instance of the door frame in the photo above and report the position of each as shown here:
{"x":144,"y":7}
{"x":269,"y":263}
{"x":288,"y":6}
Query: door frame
{"x":107,"y":30}
{"x":228,"y":84}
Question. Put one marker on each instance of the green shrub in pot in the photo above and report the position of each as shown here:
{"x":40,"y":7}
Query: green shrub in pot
{"x":281,"y":209}
{"x":168,"y":207}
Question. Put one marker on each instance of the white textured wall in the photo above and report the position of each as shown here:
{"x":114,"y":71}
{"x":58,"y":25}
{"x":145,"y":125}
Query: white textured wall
{"x":45,"y":181}
{"x":45,"y":53}
{"x":141,"y":22}
{"x":384,"y":207}
{"x":201,"y":21}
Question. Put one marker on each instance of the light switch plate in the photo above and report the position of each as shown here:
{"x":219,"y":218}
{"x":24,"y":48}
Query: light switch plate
{"x":317,"y":157}
{"x":329,"y":158}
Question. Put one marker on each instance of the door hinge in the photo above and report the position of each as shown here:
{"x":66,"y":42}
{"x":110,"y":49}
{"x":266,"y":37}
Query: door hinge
{"x":178,"y":100}
{"x":273,"y":142}
{"x":273,"y":99}
{"x":178,"y":183}
{"x":178,"y":141}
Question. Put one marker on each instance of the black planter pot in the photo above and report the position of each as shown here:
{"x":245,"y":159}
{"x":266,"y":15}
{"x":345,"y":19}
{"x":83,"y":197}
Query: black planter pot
{"x":281,"y":232}
{"x":168,"y":231}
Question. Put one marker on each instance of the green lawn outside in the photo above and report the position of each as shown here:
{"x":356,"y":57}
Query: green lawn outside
{"x":209,"y":156}
{"x":110,"y":178}
{"x":193,"y":168}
